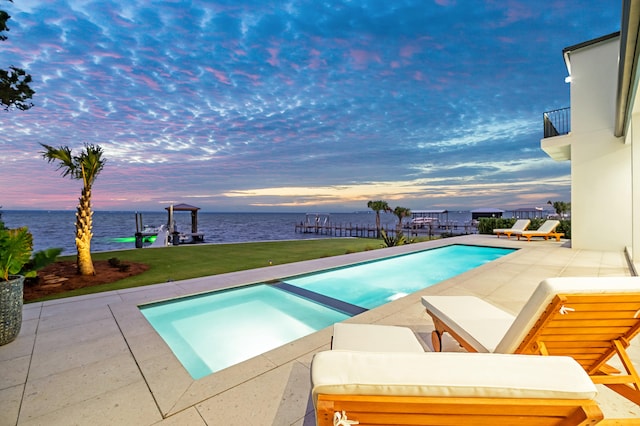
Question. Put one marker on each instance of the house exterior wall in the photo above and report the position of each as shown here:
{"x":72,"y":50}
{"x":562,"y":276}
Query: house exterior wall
{"x":601,"y":164}
{"x":632,"y":138}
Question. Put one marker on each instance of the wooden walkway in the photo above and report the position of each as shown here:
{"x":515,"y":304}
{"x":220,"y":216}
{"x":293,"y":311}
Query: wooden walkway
{"x":369,"y":231}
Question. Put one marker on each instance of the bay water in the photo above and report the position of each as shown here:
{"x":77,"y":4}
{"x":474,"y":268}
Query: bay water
{"x":114,"y":230}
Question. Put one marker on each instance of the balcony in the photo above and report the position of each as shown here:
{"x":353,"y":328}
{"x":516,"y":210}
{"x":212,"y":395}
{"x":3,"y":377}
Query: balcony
{"x":557,"y":140}
{"x":557,"y":122}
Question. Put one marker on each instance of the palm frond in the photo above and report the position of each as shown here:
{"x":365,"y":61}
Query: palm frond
{"x":62,"y":155}
{"x":91,"y":162}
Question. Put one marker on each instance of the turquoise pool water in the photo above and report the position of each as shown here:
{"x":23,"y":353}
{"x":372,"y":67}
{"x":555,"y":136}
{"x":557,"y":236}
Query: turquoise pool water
{"x":210,"y":332}
{"x":372,"y":284}
{"x":216,"y":330}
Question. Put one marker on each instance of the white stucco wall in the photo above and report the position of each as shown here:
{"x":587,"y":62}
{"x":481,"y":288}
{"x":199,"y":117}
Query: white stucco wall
{"x":601,"y":164}
{"x":633,"y":139}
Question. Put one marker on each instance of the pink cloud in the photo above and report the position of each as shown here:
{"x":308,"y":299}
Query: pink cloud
{"x":518,"y":12}
{"x":409,"y":50}
{"x":74,"y":61}
{"x":273,"y":60}
{"x":253,"y":77}
{"x":509,"y":40}
{"x":362,"y":58}
{"x":126,"y":68}
{"x":219,"y":75}
{"x":316,"y":62}
{"x":148,"y":81}
{"x":512,"y":11}
{"x":107,"y":55}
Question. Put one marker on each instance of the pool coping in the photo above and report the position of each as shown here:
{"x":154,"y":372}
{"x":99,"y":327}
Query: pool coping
{"x":172,"y":386}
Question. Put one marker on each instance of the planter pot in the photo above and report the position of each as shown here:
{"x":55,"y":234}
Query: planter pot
{"x":10,"y":308}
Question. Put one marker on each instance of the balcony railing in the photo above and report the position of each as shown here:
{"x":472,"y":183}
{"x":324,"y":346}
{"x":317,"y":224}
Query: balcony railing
{"x":557,"y":122}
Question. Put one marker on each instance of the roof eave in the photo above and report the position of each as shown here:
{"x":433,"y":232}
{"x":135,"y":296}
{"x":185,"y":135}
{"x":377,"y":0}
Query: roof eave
{"x":566,"y":52}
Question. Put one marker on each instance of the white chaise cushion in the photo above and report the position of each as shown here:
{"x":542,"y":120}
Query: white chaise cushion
{"x":374,"y":338}
{"x":517,"y":227}
{"x":449,"y":374}
{"x":490,"y":329}
{"x":479,"y":323}
{"x":544,"y":293}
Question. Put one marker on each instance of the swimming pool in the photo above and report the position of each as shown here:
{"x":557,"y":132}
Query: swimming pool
{"x":375,"y":283}
{"x":213,"y":331}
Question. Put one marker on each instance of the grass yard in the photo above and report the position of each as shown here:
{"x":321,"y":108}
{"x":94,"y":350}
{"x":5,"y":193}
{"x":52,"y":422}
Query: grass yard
{"x":192,"y":261}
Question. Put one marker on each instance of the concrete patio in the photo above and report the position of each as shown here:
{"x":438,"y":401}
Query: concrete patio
{"x":95,"y":360}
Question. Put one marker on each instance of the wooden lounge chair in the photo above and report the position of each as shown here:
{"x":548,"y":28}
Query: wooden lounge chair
{"x":520,"y":225}
{"x":589,"y":319}
{"x":546,"y":230}
{"x":408,"y":388}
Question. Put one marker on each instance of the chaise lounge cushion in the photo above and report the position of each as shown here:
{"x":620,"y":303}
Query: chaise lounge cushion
{"x":374,"y":338}
{"x":474,"y":320}
{"x":547,"y":289}
{"x":446,"y":374}
{"x":490,"y":329}
{"x":519,"y":226}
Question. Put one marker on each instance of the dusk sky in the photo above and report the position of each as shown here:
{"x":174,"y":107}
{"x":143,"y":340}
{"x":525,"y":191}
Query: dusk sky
{"x":264,"y":105}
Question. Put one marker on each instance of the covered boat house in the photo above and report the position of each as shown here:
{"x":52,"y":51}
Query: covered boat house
{"x":184,"y":237}
{"x":486,"y":212}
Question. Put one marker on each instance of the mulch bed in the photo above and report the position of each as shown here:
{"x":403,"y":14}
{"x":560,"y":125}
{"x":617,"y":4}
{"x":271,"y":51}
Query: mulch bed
{"x":61,"y":277}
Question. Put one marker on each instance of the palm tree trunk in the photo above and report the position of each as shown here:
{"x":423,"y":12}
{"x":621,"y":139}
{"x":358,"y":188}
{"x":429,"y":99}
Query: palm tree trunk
{"x":84,"y":227}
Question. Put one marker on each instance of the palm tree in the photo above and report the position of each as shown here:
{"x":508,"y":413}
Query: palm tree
{"x":561,"y":207}
{"x":401,"y":213}
{"x":378,"y":206}
{"x":86,"y":167}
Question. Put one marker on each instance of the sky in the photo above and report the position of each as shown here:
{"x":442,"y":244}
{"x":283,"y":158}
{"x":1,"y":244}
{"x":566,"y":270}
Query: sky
{"x":293,"y":106}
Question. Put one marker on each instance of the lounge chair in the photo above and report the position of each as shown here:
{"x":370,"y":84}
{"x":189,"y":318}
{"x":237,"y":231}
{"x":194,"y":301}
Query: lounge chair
{"x":546,"y":230}
{"x":409,"y":388}
{"x":520,"y":225}
{"x":589,"y":319}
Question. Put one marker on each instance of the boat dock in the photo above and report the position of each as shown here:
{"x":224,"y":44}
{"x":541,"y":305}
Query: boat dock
{"x":370,"y":231}
{"x":339,"y":230}
{"x":320,"y":224}
{"x":166,"y":235}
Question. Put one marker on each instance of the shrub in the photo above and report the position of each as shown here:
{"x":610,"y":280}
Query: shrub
{"x":565,"y":226}
{"x":390,"y":241}
{"x":16,"y":247}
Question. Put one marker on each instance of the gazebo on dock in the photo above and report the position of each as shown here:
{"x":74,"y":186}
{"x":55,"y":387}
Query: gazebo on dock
{"x":195,"y":235}
{"x":436,"y":214}
{"x":485,"y":212}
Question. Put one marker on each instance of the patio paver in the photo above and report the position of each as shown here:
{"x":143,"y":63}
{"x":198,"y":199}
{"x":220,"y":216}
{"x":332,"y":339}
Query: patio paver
{"x":94,"y":360}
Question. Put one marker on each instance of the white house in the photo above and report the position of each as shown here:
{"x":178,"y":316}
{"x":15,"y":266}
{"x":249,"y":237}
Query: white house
{"x":600,"y":140}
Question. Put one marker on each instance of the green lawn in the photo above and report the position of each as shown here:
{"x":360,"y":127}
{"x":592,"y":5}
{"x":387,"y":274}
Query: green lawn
{"x":192,"y":261}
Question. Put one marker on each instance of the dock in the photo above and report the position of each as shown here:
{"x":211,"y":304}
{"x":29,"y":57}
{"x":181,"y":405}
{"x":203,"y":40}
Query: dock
{"x":370,"y":231}
{"x":168,"y":234}
{"x":339,"y":230}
